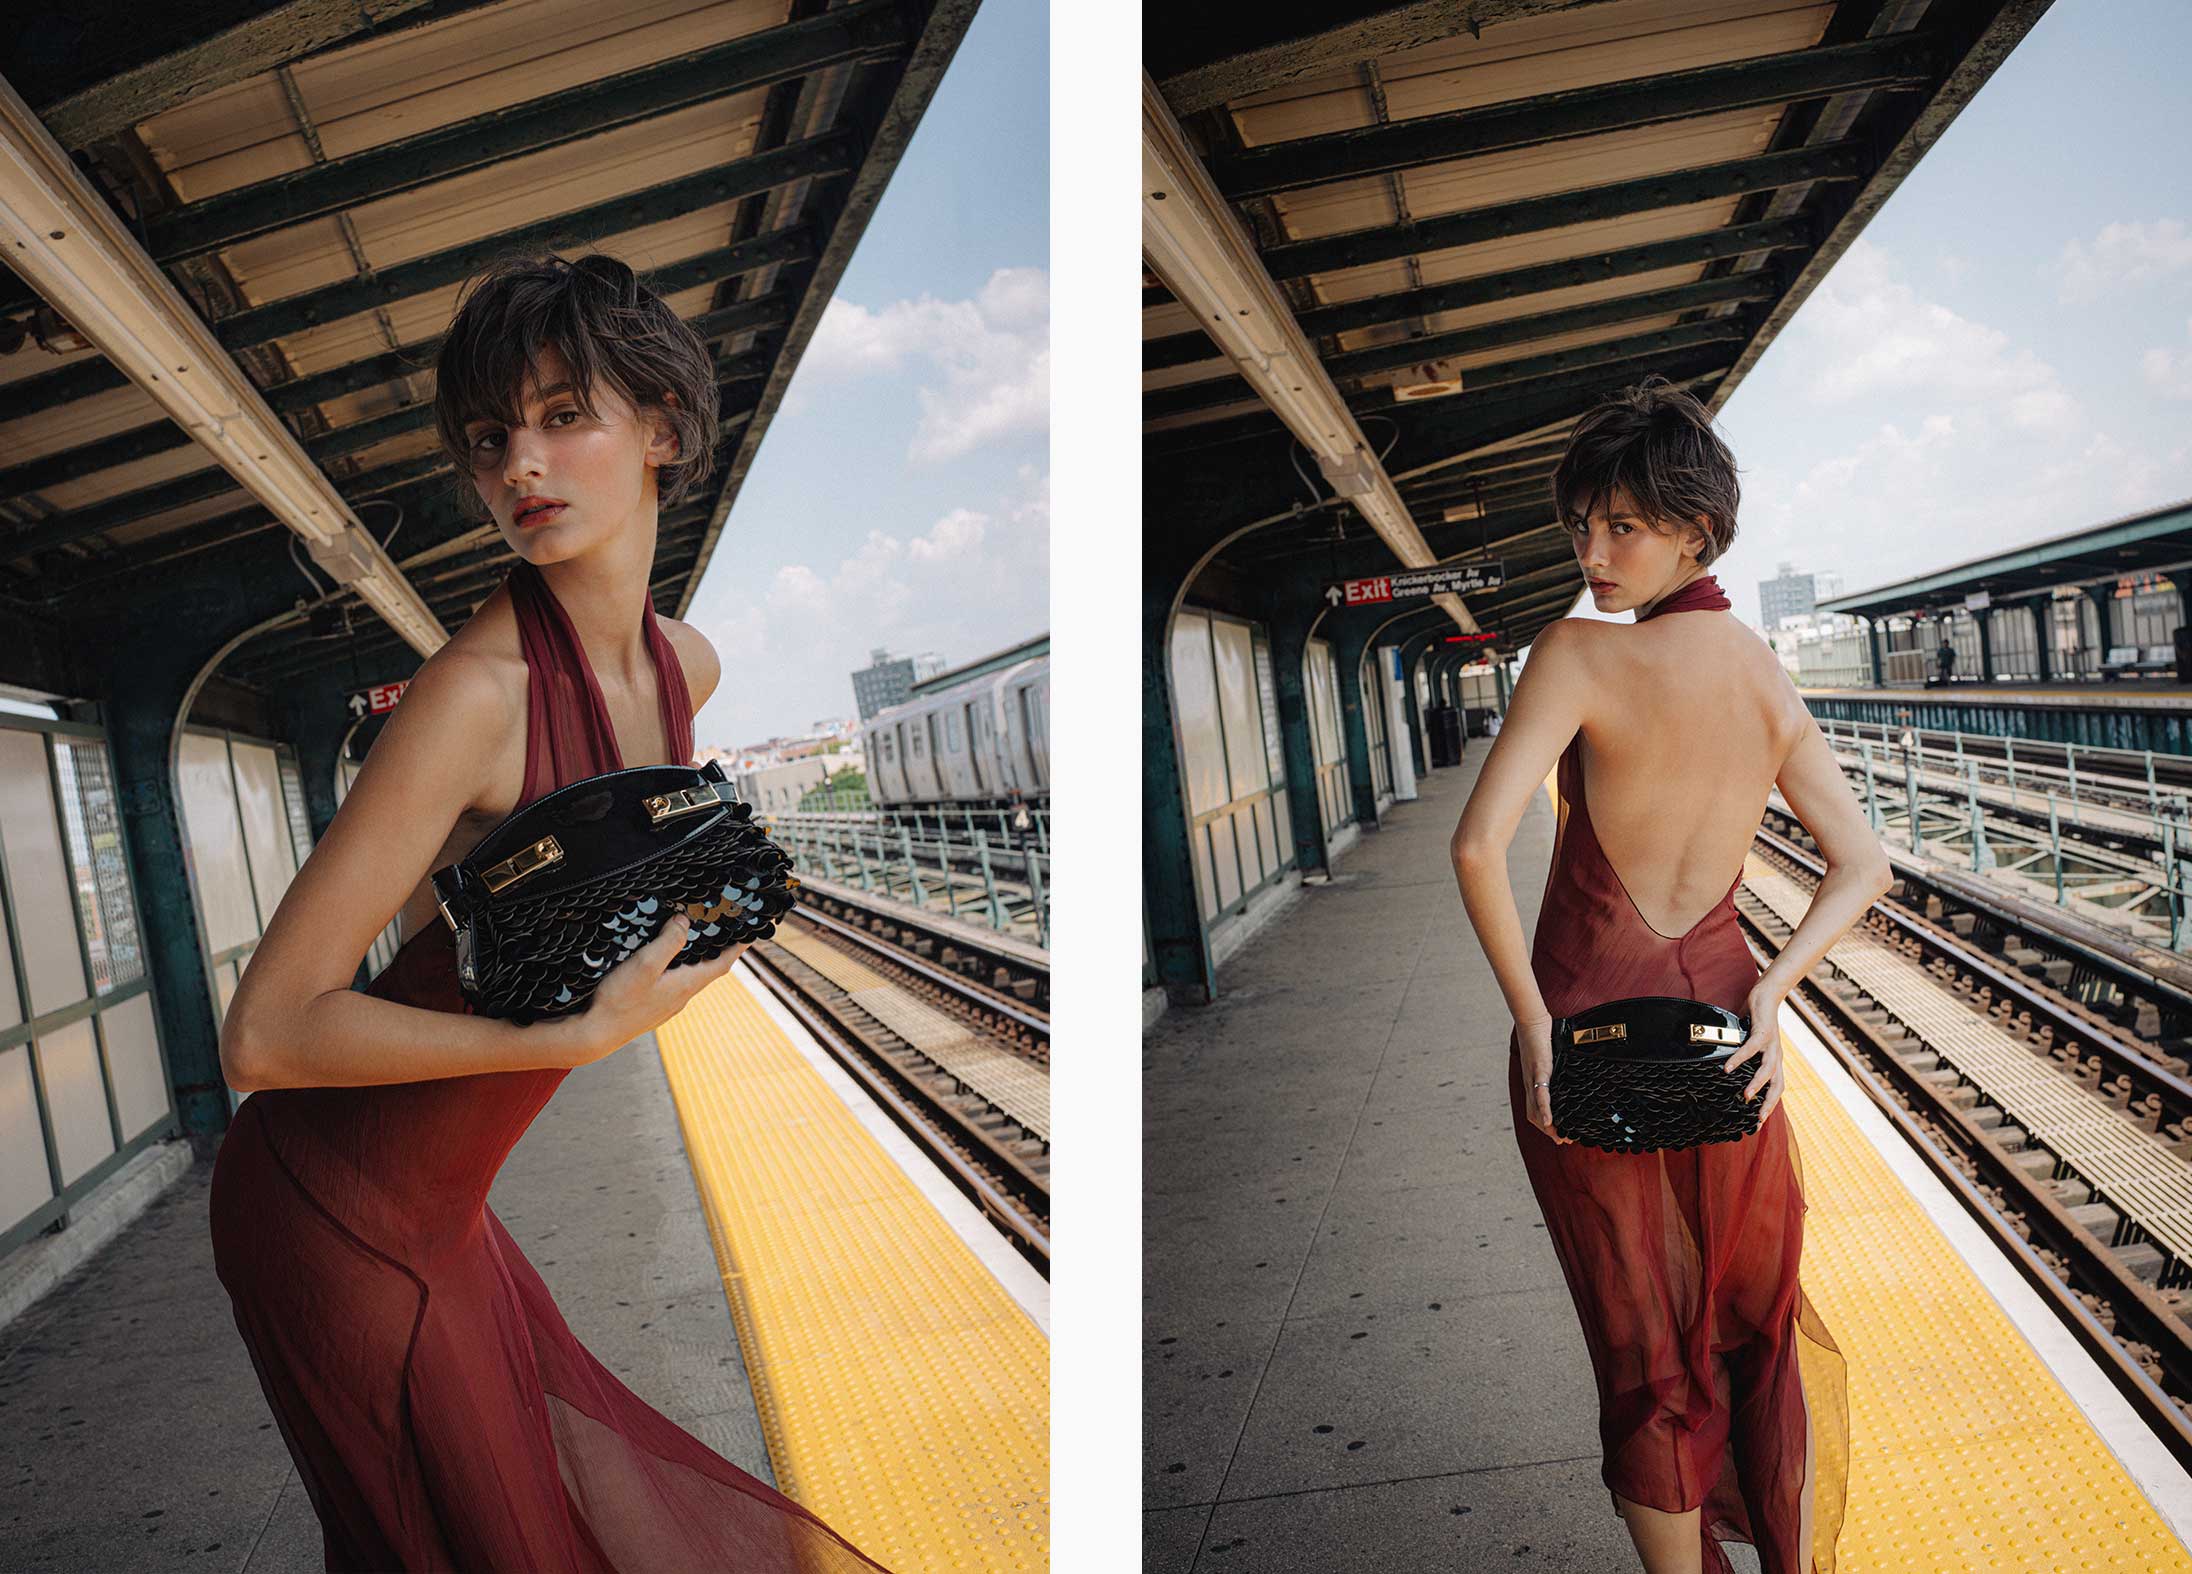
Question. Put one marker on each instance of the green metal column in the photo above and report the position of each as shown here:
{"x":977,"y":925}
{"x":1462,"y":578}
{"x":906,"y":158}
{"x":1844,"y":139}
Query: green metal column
{"x":1289,"y":649}
{"x":2104,"y":611}
{"x":1179,"y":946}
{"x":1872,"y":641}
{"x":141,"y":707}
{"x":2040,"y":629}
{"x":1985,"y":619}
{"x":1348,"y":652}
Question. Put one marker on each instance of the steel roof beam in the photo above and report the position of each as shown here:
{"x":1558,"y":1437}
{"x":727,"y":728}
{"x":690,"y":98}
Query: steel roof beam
{"x":1195,"y":243}
{"x":1384,"y":29}
{"x":1895,"y":61}
{"x":260,"y":37}
{"x":868,"y":30}
{"x":1843,"y":160}
{"x":1350,"y":364}
{"x":1184,"y":349}
{"x":735,"y":371}
{"x":830,"y":154}
{"x":62,"y":235}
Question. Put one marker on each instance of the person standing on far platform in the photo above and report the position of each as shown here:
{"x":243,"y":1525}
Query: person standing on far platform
{"x":1944,"y":658}
{"x":1668,"y":735}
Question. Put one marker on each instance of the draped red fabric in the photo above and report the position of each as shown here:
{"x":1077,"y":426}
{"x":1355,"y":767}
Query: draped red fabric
{"x":440,"y":1413}
{"x":1683,"y":1263}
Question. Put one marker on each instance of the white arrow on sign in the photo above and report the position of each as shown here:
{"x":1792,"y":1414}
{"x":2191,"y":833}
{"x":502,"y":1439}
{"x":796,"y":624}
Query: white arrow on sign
{"x":357,"y":707}
{"x":1333,"y":595}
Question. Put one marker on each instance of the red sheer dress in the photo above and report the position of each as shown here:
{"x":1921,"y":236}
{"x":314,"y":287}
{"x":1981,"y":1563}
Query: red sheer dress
{"x":1683,"y":1263}
{"x":440,"y":1413}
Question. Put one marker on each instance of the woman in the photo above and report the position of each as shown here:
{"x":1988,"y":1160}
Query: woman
{"x":439,"y":1411}
{"x":1721,"y":1400}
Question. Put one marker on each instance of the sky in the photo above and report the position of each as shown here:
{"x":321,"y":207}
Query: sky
{"x":901,"y":495}
{"x":2006,"y":351}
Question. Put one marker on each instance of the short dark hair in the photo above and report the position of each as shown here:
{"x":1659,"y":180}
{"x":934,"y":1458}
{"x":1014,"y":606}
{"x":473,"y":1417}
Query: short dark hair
{"x":1656,"y":443}
{"x":610,"y":328}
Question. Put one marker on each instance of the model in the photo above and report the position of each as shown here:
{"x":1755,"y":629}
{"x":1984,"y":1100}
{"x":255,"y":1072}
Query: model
{"x":1722,"y":1406}
{"x":440,"y":1413}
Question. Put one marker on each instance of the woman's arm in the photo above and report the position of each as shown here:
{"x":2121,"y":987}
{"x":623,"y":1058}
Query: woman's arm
{"x":295,"y":1021}
{"x":1542,"y":718}
{"x":1858,"y":871}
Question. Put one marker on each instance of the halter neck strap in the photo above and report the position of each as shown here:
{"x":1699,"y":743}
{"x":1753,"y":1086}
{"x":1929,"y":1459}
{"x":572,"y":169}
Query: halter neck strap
{"x":1702,"y":594}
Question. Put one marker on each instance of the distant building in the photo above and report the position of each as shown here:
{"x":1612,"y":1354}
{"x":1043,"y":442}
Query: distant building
{"x":1791,"y":595}
{"x":890,"y":680}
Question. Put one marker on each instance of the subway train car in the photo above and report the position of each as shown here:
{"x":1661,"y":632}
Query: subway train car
{"x":973,"y":740}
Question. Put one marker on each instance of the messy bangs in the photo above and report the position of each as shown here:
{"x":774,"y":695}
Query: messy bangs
{"x":611,"y":330}
{"x":1656,"y":443}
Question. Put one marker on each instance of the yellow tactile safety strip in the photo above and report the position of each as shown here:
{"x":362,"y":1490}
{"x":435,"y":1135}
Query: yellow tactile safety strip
{"x":904,"y":1395}
{"x":1965,"y":1452}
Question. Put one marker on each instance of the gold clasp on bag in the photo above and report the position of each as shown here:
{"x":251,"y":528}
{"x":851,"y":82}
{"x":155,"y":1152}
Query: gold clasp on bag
{"x":1592,"y":1035}
{"x":1714,"y":1033}
{"x":668,"y":806}
{"x":526,"y":860}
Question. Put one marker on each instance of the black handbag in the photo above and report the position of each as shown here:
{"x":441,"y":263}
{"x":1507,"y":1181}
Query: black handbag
{"x":1638,"y":1075}
{"x":575,"y":881}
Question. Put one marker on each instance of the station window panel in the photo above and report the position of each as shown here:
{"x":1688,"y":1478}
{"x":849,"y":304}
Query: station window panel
{"x":105,"y":905}
{"x":217,"y":856}
{"x":1281,"y":809}
{"x":1225,"y":861}
{"x":26,"y":1183}
{"x":1233,"y":653}
{"x":38,"y":879}
{"x":1267,"y":838}
{"x":133,"y":1061}
{"x":1206,"y":900}
{"x":1267,"y":691}
{"x":266,"y":830}
{"x":1195,"y":705}
{"x":76,"y":1097}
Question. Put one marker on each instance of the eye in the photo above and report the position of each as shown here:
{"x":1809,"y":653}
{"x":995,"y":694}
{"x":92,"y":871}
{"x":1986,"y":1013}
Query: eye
{"x":480,"y":442}
{"x":573,"y":414}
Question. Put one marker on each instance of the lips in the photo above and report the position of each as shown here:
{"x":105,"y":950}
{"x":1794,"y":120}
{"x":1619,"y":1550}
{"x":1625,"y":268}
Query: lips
{"x":1601,"y":584}
{"x":537,"y":510}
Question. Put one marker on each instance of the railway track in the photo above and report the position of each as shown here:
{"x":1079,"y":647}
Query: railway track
{"x":961,"y":1064}
{"x":2040,"y":1083}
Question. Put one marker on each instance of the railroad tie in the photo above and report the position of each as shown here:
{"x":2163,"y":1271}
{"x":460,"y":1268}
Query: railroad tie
{"x":2126,"y":1164}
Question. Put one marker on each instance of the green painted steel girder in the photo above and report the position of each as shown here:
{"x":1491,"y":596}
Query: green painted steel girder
{"x":833,"y":153}
{"x":1896,"y":60}
{"x":1785,"y":234}
{"x":1843,"y":160}
{"x":866,"y":31}
{"x":1408,"y":352}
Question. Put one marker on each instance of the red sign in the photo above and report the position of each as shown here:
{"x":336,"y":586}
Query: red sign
{"x":380,"y":697}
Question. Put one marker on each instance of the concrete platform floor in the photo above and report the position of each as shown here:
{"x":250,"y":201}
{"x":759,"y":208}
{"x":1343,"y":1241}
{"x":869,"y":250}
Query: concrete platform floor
{"x":1359,"y":1352}
{"x":133,"y":1434}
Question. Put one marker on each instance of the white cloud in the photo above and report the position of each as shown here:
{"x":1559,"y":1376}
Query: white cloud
{"x":2169,"y":372}
{"x":985,"y":361}
{"x":2122,"y":254}
{"x":1887,"y":339}
{"x":972,"y":581}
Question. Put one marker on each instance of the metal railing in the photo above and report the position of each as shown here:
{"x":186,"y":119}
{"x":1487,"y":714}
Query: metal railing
{"x":982,"y":866}
{"x":2113,"y":783}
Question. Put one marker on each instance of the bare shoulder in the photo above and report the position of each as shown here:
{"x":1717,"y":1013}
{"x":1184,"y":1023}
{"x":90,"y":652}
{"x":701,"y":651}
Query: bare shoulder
{"x":703,"y":667}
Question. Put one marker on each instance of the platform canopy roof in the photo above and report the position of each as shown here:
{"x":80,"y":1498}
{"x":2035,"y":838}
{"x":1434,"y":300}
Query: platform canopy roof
{"x":297,"y":190}
{"x":2143,"y":543}
{"x":1487,"y":217}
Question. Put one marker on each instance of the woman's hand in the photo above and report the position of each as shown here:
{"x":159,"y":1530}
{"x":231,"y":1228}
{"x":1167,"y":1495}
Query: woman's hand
{"x":1765,"y":1043}
{"x":641,"y":993}
{"x":1535,"y":1039}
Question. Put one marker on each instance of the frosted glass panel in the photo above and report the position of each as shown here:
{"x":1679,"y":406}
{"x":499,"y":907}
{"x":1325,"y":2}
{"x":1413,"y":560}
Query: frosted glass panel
{"x":45,"y":904}
{"x":93,"y":822}
{"x":1226,"y":861}
{"x":1237,"y":695}
{"x":133,"y":1059}
{"x":24,"y":1183}
{"x":216,"y":842}
{"x":224,"y":989}
{"x":1195,"y":702}
{"x":266,"y":828}
{"x":76,"y":1097}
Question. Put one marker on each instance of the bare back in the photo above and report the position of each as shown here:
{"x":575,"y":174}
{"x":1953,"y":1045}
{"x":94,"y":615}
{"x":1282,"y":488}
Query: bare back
{"x":1690,"y":723}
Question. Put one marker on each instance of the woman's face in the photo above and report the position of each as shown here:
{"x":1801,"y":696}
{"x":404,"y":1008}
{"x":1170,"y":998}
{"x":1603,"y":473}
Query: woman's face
{"x":595,"y":472}
{"x":1625,"y":561}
